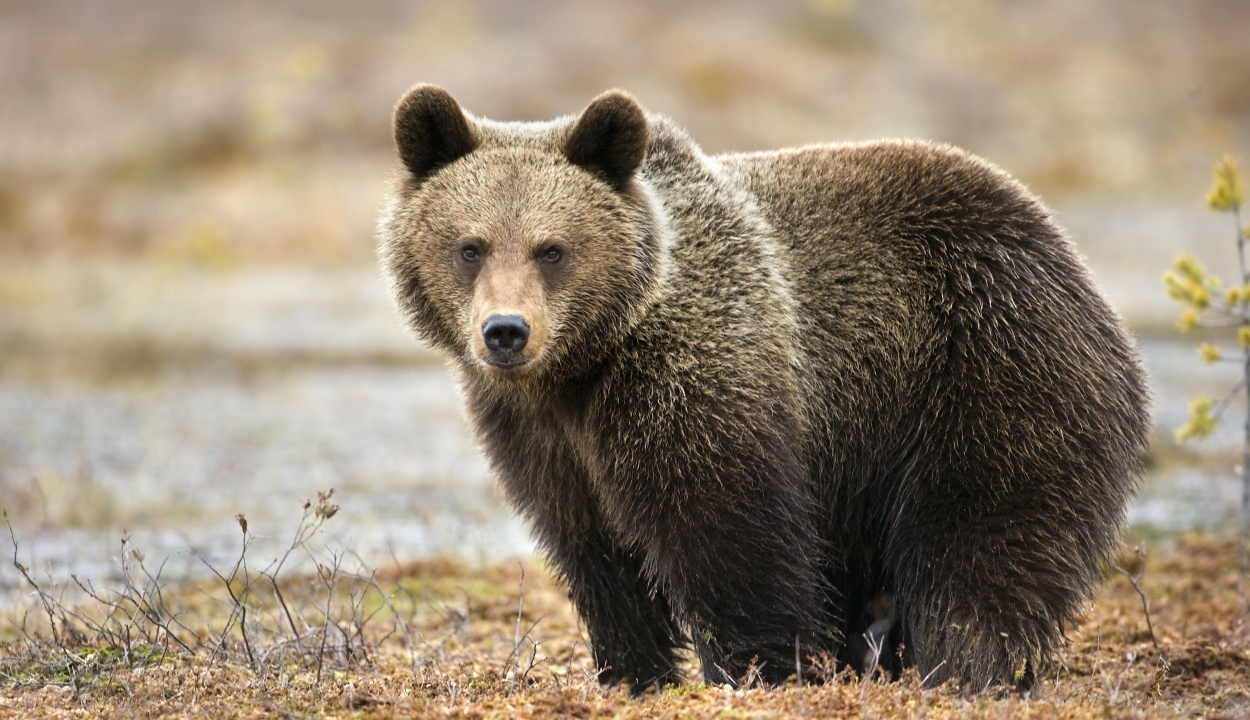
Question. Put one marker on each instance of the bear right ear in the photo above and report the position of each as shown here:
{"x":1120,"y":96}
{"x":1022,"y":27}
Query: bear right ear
{"x":430,"y":130}
{"x":610,"y":137}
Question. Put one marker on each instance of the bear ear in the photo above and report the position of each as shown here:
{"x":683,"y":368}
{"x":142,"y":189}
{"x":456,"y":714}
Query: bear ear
{"x":430,"y":130}
{"x":610,"y":137}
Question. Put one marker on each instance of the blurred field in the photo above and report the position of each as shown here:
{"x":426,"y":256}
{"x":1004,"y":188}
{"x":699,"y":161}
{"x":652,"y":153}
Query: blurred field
{"x":191,"y":320}
{"x":235,"y":133}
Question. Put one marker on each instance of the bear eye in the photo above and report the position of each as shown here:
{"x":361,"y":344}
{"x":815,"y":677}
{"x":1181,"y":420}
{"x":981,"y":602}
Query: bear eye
{"x":552,"y":255}
{"x":470,"y":253}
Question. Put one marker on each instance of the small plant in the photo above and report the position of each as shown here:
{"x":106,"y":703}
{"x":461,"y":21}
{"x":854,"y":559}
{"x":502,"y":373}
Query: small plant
{"x":143,"y":624}
{"x":1211,"y":304}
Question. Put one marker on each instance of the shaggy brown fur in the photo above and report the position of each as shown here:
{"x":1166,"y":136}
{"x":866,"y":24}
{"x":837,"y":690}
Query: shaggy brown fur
{"x":831,"y":396}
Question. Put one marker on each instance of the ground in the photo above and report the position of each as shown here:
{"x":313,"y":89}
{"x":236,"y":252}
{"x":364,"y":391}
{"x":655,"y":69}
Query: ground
{"x":440,"y":639}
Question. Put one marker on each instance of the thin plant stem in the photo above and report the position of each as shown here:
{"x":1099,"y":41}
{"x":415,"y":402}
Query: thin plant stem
{"x":516,"y":644}
{"x":1228,"y":399}
{"x":1136,"y":581}
{"x":1243,"y":555}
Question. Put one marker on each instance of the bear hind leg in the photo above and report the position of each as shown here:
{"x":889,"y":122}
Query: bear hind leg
{"x":985,"y":590}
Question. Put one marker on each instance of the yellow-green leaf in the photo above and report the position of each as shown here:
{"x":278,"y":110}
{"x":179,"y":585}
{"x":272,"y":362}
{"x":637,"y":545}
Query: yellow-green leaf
{"x":1188,"y":321}
{"x":1189,"y":267}
{"x":1199,"y":297}
{"x":1226,"y":191}
{"x":1201,"y":422}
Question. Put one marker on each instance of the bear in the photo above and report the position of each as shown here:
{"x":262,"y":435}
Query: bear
{"x":860,"y":401}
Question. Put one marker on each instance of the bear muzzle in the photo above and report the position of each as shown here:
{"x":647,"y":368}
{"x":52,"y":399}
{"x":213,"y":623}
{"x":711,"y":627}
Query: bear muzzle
{"x":505,"y":336}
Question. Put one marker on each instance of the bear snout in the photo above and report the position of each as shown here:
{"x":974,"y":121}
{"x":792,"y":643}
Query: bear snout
{"x":505,"y":336}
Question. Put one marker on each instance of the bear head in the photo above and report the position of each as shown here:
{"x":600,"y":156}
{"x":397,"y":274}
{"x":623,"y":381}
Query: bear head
{"x":522,"y":249}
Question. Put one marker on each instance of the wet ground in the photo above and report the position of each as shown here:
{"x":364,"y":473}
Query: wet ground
{"x":163,"y":400}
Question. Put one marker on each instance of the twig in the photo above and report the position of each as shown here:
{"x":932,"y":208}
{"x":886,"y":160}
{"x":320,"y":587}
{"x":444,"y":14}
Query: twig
{"x":1243,"y":552}
{"x":403,"y":625}
{"x":753,"y":676}
{"x":1145,"y":606}
{"x":239,"y":606}
{"x":516,"y":642}
{"x":328,"y":577}
{"x":1113,"y":695}
{"x":277,"y":593}
{"x":875,"y":643}
{"x":1228,"y":399}
{"x":931,"y":672}
{"x":529,"y":664}
{"x":154,"y":583}
{"x":43,"y":597}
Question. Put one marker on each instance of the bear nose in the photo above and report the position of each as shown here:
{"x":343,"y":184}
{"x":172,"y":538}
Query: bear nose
{"x":506,"y":333}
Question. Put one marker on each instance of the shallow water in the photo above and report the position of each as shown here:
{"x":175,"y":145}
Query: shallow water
{"x":175,"y":461}
{"x":162,"y":402}
{"x":276,"y":387}
{"x":1196,"y":486}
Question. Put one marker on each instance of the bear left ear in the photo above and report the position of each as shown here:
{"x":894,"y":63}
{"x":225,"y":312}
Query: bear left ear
{"x":430,"y":130}
{"x":610,"y":137}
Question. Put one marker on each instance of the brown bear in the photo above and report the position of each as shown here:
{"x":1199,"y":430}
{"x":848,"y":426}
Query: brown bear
{"x":773,"y":404}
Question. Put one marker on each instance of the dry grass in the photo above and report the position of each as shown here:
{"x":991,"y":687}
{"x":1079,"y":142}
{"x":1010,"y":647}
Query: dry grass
{"x":444,"y":639}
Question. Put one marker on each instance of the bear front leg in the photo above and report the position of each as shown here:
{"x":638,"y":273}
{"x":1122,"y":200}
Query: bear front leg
{"x":633,"y":636}
{"x":722,"y":507}
{"x":632,"y":633}
{"x":745,"y":585}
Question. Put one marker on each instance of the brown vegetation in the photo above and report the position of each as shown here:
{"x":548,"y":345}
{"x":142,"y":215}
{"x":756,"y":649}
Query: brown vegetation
{"x":441,"y":638}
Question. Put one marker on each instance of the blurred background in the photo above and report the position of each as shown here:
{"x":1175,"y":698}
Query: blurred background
{"x":192,"y":323}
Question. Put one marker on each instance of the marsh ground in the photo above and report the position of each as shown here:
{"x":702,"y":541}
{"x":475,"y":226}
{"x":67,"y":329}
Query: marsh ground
{"x":444,"y":644}
{"x":192,"y":326}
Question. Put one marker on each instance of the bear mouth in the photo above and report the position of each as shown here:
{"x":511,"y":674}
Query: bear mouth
{"x":508,"y":361}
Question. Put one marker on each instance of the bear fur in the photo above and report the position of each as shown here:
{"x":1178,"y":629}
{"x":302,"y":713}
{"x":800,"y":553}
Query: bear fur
{"x":774,"y":404}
